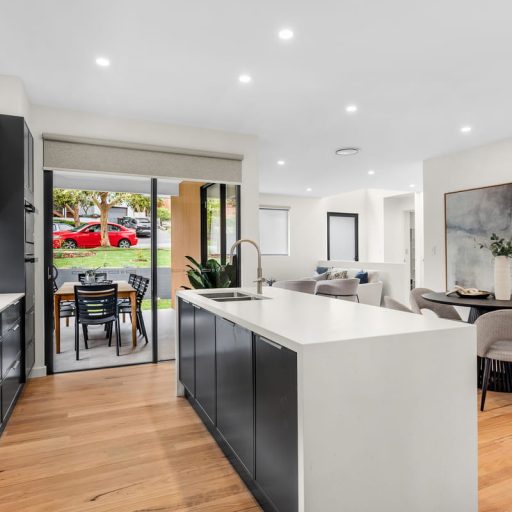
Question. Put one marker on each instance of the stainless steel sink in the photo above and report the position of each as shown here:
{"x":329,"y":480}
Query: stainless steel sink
{"x":232,"y":296}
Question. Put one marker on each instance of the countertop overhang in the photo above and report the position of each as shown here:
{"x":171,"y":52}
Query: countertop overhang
{"x":299,"y":319}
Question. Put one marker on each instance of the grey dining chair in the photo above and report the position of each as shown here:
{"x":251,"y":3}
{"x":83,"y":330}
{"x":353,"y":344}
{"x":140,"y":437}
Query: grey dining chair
{"x":391,"y":303}
{"x":303,"y":285}
{"x":494,"y":343}
{"x":441,"y":310}
{"x":345,"y":289}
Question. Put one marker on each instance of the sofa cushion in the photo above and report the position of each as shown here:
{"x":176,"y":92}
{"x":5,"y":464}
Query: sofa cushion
{"x":362,"y":276}
{"x":373,"y":276}
{"x":337,"y":273}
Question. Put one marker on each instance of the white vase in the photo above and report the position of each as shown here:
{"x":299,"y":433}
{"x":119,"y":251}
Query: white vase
{"x":502,"y":283}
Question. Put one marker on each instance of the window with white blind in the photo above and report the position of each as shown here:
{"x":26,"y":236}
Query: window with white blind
{"x":274,"y":231}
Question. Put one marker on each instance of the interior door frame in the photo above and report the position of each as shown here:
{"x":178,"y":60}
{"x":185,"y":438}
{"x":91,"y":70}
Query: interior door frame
{"x":355,"y":216}
{"x":48,"y":285}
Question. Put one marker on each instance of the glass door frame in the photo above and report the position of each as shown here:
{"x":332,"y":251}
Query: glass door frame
{"x":49,"y":352}
{"x":223,"y":238}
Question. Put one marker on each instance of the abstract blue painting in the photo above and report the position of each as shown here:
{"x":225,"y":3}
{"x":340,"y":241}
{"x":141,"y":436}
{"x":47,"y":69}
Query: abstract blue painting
{"x":471,"y":217}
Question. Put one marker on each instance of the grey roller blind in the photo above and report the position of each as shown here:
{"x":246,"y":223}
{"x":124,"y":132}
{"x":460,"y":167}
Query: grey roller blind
{"x":83,"y":154}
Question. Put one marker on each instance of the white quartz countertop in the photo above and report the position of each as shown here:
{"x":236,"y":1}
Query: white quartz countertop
{"x":6,"y":299}
{"x":300,"y":319}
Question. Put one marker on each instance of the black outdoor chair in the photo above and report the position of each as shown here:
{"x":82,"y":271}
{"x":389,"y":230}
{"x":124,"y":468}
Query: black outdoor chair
{"x":141,"y":285}
{"x":67,"y":307}
{"x":96,"y":305}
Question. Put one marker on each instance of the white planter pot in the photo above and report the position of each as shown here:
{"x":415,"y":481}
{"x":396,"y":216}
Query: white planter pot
{"x":502,"y":285}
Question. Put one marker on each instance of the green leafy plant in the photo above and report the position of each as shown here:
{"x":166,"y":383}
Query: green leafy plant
{"x":498,"y":246}
{"x":210,"y":275}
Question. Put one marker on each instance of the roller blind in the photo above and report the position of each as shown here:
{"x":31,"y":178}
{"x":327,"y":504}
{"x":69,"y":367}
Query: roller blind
{"x":274,"y":231}
{"x":82,"y":154}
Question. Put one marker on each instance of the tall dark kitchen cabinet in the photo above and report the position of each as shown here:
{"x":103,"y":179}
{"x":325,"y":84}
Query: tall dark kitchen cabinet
{"x":17,"y":254}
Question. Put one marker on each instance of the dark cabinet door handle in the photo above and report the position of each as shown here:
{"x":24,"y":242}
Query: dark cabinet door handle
{"x":30,"y":260}
{"x":271,"y":343}
{"x":29,"y":207}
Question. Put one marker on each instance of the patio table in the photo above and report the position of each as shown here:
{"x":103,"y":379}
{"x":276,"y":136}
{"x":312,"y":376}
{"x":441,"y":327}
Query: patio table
{"x":67,"y":292}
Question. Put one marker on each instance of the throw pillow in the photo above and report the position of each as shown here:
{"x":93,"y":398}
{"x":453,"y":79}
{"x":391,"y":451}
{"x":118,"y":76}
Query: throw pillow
{"x":321,"y":270}
{"x":362,"y":276}
{"x":337,"y":273}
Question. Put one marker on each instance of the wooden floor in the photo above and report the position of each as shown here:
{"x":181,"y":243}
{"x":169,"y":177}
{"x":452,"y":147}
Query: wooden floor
{"x":118,"y":440}
{"x":115,"y":440}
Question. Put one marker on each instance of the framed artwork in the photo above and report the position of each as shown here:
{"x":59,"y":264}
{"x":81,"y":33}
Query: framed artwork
{"x":471,"y":216}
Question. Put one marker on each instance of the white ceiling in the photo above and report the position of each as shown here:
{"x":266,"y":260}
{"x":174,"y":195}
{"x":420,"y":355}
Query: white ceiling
{"x":418,"y":70}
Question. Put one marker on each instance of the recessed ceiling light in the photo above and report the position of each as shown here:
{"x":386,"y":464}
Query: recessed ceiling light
{"x":245,"y":79}
{"x":466,"y":129}
{"x":285,"y":34}
{"x":103,"y":62}
{"x":412,"y":185}
{"x":351,"y":109}
{"x":309,"y":189}
{"x":347,"y":151}
{"x":371,"y":172}
{"x":281,"y":162}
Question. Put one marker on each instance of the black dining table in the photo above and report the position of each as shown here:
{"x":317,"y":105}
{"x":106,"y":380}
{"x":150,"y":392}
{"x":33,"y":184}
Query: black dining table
{"x":478,"y":306}
{"x":501,"y":372}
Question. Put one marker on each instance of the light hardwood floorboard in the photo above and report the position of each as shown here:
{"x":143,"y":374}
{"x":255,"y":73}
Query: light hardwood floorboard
{"x":113,"y":440}
{"x":118,"y":440}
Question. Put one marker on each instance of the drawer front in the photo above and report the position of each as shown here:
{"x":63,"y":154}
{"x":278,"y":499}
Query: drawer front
{"x":10,"y":387}
{"x":11,"y":346}
{"x":10,"y":316}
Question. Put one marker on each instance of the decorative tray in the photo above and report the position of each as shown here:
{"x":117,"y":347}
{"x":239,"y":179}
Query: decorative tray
{"x":476,"y":294}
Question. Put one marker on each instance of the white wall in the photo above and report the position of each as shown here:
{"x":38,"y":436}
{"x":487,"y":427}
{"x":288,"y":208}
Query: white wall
{"x":308,"y":229}
{"x":13,"y":99}
{"x":395,"y":210}
{"x":66,"y":122}
{"x":477,"y":167}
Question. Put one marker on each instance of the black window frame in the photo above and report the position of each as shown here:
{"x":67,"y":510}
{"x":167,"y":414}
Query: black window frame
{"x":204,"y":235}
{"x":355,"y":216}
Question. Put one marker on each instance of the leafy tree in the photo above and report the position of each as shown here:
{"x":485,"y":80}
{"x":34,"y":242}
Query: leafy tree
{"x":163,"y":214}
{"x":72,"y":201}
{"x":104,"y":201}
{"x":139,"y":202}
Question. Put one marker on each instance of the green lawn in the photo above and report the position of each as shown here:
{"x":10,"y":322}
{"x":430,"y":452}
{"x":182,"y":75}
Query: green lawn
{"x":110,"y":257}
{"x":162,"y":304}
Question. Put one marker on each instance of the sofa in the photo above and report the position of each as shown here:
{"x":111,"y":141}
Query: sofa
{"x":368,"y":293}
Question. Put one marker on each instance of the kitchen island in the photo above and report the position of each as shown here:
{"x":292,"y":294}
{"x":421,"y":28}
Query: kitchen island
{"x":326,"y":405}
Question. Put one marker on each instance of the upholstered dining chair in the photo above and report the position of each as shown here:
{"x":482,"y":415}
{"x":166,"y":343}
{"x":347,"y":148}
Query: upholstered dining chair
{"x":391,"y":303}
{"x":494,"y":343}
{"x":303,"y":285}
{"x":441,"y":310}
{"x":345,"y":289}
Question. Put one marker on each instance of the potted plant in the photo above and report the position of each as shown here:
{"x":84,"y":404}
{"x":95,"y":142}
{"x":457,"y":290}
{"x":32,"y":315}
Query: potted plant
{"x":501,"y":249}
{"x":210,"y":275}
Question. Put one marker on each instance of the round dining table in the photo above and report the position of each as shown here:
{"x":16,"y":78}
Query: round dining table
{"x":478,"y":306}
{"x":501,"y":372}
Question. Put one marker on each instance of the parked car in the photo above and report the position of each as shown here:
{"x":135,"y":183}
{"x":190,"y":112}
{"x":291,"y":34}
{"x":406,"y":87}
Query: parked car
{"x":142,"y":225}
{"x":62,"y":226}
{"x":89,"y":236}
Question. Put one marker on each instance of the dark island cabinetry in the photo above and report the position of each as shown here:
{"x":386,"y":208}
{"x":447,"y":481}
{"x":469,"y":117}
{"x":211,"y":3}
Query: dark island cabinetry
{"x":244,"y":388}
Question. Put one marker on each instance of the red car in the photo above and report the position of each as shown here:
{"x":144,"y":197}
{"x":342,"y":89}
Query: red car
{"x":88,"y":235}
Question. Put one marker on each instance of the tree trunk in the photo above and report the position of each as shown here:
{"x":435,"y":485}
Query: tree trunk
{"x":104,"y":209}
{"x":76,"y":214}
